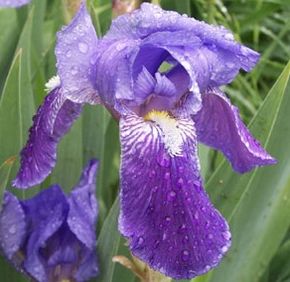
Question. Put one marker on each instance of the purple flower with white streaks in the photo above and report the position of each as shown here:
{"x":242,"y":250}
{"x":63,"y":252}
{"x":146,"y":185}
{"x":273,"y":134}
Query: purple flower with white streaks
{"x":165,"y":212}
{"x":13,"y":3}
{"x":51,"y":237}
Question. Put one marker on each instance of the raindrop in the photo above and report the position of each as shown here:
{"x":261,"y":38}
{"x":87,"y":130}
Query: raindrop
{"x":167,"y":218}
{"x":182,"y":227}
{"x":229,"y":36}
{"x":180,"y":182}
{"x":171,"y":195}
{"x":185,"y":239}
{"x":74,"y":70}
{"x":224,"y":249}
{"x":227,"y":235}
{"x":167,"y":175}
{"x":206,"y":268}
{"x":210,"y":236}
{"x":185,"y":255}
{"x":152,"y":173}
{"x":12,"y":229}
{"x":140,"y":240}
{"x":83,"y":47}
{"x":164,"y":160}
{"x":68,"y":53}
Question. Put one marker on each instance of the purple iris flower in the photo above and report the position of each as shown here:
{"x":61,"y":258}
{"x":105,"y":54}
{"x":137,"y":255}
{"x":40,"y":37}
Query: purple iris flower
{"x":165,"y":212}
{"x":13,"y":3}
{"x":51,"y":237}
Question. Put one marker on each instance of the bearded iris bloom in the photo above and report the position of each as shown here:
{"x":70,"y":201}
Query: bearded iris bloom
{"x":165,"y":212}
{"x":13,"y":3}
{"x":51,"y":237}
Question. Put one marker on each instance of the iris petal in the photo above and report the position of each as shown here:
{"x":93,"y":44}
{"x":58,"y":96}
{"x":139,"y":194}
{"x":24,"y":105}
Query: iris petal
{"x":12,"y":225}
{"x":43,"y":225}
{"x":13,"y":3}
{"x":83,"y":207}
{"x":219,"y":125}
{"x":165,"y":212}
{"x":51,"y":122}
{"x":76,"y":49}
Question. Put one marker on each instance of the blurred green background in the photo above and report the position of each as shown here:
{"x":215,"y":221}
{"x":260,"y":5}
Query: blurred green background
{"x":256,"y":204}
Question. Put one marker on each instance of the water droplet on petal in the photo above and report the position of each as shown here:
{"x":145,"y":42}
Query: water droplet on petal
{"x":167,"y":175}
{"x":185,"y":255}
{"x":74,"y":70}
{"x":210,"y":236}
{"x":12,"y":229}
{"x":68,"y":54}
{"x":224,"y":249}
{"x":227,"y":235}
{"x":171,"y":195}
{"x":140,"y":240}
{"x":83,"y":47}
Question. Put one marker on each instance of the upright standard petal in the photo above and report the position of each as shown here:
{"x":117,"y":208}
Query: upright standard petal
{"x":150,"y":19}
{"x":219,"y":125}
{"x":13,"y":3}
{"x":12,"y":225}
{"x":83,"y":211}
{"x":168,"y":219}
{"x":76,"y":52}
{"x":52,"y":121}
{"x":45,"y":214}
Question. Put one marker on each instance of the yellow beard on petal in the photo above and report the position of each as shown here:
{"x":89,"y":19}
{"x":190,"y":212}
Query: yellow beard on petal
{"x":172,"y":137}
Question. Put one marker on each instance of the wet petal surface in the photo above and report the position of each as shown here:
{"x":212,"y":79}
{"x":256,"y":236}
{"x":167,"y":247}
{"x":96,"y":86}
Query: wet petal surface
{"x":219,"y":125}
{"x":76,"y":53}
{"x":83,"y":211}
{"x":165,"y":212}
{"x":12,"y":225}
{"x":52,"y":121}
{"x":13,"y":3}
{"x":45,"y":213}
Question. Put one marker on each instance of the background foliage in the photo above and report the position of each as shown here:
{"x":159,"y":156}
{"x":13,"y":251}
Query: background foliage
{"x":256,"y":204}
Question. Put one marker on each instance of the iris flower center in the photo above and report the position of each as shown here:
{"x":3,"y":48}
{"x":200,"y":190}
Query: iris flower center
{"x":169,"y":127}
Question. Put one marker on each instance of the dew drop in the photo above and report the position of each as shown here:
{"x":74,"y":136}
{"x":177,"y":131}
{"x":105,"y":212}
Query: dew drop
{"x":229,"y":36}
{"x":210,"y":236}
{"x":140,"y":240}
{"x":181,"y":169}
{"x":180,"y":182}
{"x":224,"y":249}
{"x":12,"y":229}
{"x":185,"y":239}
{"x":227,"y":235}
{"x":74,"y":70}
{"x":152,"y":173}
{"x":167,"y":218}
{"x":83,"y":47}
{"x":185,"y":255}
{"x":167,"y":176}
{"x":68,"y":54}
{"x":171,"y":195}
{"x":164,"y":160}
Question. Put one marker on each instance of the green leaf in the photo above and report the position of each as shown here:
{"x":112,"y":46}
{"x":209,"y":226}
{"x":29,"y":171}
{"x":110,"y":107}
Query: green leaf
{"x":108,"y":244}
{"x":11,"y":136}
{"x":279,"y":270}
{"x":8,"y":40}
{"x":257,"y":204}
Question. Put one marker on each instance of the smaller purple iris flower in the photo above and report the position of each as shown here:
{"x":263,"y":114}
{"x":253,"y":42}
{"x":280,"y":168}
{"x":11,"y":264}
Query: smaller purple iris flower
{"x":13,"y":3}
{"x":163,"y":113}
{"x":51,"y":237}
